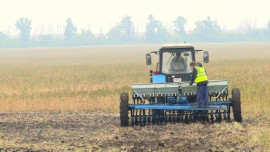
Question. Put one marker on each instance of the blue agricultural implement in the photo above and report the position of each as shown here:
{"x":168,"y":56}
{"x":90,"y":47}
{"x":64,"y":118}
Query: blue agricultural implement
{"x":169,"y":98}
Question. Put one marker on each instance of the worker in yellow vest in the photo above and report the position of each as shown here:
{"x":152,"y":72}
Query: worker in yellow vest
{"x":200,"y":77}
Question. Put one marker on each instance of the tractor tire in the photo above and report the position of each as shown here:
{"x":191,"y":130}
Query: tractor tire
{"x":124,"y":109}
{"x":236,"y":104}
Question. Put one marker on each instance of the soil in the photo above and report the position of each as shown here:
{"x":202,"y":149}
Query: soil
{"x":88,"y":131}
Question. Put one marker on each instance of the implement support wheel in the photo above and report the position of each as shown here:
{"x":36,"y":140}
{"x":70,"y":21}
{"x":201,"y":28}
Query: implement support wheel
{"x":124,"y":109}
{"x":236,"y":104}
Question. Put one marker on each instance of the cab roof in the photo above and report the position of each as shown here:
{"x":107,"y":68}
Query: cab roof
{"x":177,"y":46}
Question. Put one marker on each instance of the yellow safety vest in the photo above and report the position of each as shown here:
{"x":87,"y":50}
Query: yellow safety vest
{"x":201,"y":75}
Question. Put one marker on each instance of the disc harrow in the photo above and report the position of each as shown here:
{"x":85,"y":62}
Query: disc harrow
{"x":169,"y":109}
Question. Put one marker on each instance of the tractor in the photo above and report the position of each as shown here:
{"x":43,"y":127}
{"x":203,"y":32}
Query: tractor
{"x":168,"y":97}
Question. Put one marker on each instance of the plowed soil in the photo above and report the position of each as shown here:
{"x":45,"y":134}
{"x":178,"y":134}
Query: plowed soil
{"x":87,"y":131}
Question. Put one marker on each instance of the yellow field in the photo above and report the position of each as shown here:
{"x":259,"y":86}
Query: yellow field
{"x":92,"y":78}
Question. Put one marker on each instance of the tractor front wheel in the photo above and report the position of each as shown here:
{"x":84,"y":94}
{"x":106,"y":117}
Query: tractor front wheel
{"x":236,"y":104}
{"x":124,"y":109}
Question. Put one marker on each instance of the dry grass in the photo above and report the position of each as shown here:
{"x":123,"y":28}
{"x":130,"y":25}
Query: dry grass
{"x":92,"y":78}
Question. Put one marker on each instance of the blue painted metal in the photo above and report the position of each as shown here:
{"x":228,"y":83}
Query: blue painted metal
{"x":183,"y":99}
{"x":222,"y":105}
{"x":171,"y":100}
{"x":158,"y":78}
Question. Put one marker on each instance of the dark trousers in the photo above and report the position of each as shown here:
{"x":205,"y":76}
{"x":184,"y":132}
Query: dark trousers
{"x":202,"y":95}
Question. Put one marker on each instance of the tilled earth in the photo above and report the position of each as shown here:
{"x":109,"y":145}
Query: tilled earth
{"x":88,"y":131}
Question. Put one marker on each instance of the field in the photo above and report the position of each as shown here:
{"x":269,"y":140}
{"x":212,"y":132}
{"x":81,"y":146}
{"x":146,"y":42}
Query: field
{"x":67,"y":99}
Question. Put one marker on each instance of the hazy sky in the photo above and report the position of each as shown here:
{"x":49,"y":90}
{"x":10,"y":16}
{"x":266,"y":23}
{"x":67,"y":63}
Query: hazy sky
{"x":94,"y":14}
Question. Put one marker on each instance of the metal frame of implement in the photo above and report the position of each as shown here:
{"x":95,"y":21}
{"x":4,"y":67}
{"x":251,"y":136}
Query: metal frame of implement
{"x":221,"y":105}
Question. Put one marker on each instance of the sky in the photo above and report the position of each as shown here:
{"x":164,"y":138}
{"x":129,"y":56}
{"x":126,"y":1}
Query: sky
{"x":100,"y":15}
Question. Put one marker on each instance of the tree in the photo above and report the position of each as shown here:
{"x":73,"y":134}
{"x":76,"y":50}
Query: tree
{"x":3,"y":36}
{"x":207,"y":26}
{"x":268,"y":28}
{"x":155,"y":32}
{"x":124,"y":31}
{"x":86,"y":37}
{"x":179,"y":28}
{"x":24,"y":25}
{"x":114,"y":35}
{"x":248,"y":27}
{"x":179,"y":25}
{"x":70,"y":30}
{"x":126,"y":28}
{"x":207,"y":29}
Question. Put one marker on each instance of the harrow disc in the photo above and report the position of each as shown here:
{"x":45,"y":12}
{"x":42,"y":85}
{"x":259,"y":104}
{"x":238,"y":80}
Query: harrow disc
{"x":144,"y":115}
{"x":169,"y":116}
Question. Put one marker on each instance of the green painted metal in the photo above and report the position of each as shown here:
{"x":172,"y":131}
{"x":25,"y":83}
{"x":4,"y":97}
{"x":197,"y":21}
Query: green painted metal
{"x":155,"y":89}
{"x":215,"y":87}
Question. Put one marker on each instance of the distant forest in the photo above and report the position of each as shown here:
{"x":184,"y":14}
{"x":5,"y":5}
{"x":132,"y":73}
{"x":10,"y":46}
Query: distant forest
{"x":123,"y":33}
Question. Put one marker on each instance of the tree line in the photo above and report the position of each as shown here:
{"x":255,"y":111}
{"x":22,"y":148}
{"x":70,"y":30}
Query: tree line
{"x":206,"y":30}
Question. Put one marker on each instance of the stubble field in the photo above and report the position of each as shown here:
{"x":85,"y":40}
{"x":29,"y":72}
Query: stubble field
{"x":67,"y":99}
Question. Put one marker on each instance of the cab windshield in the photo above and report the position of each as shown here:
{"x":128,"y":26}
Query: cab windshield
{"x":176,"y":62}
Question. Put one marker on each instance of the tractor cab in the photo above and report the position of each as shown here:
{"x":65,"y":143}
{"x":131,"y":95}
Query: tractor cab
{"x":173,"y":64}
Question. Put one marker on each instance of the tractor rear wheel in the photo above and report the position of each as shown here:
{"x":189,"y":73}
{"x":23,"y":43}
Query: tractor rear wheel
{"x":124,"y":109}
{"x":236,"y":104}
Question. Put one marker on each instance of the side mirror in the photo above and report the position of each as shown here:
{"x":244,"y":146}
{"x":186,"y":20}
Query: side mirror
{"x":148,"y":59}
{"x":205,"y":57}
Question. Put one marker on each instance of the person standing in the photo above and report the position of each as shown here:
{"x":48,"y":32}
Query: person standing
{"x":200,"y":78}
